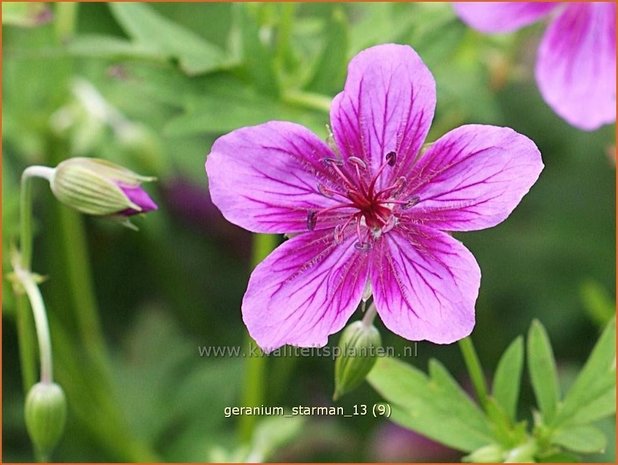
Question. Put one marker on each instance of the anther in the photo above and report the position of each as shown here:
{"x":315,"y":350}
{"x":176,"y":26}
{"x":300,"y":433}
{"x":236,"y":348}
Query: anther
{"x":311,"y":219}
{"x":358,"y":162}
{"x":338,"y":234}
{"x":362,"y":246}
{"x":332,"y":161}
{"x":325,"y":191}
{"x":391,"y":158}
{"x":412,"y":201}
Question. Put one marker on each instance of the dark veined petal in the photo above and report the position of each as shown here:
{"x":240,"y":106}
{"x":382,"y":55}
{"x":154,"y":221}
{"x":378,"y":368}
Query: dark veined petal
{"x":387,"y":105}
{"x":576,"y":66}
{"x":304,"y":291}
{"x":473,"y":177}
{"x":425,"y":285}
{"x":264,"y":178}
{"x":493,"y":17}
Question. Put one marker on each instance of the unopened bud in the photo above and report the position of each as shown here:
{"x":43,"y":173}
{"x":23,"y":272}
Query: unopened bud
{"x":46,"y":409}
{"x":98,"y":187}
{"x":491,"y":453}
{"x":358,"y":345}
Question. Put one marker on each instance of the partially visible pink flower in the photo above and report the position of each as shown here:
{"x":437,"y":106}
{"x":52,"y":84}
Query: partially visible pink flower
{"x":369,"y":209}
{"x":576,"y":63}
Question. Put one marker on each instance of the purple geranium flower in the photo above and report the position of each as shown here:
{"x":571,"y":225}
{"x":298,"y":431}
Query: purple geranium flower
{"x":370,"y":209}
{"x":576,"y":64}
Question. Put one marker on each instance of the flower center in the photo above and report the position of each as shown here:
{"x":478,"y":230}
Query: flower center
{"x":376,"y":210}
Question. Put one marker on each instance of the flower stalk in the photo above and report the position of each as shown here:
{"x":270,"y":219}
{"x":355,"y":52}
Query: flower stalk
{"x":255,"y":367}
{"x":27,"y":281}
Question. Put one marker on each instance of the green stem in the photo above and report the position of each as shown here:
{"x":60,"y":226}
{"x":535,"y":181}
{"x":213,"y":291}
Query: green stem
{"x":25,"y":240}
{"x":79,"y":278}
{"x":308,"y":100}
{"x":26,"y":279}
{"x":474,"y":369}
{"x":255,"y":367}
{"x":65,"y":20}
{"x":370,"y":314}
{"x":27,"y":350}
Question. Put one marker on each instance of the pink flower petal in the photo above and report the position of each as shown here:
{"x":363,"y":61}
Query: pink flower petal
{"x":576,"y":67}
{"x":386,"y":106}
{"x":425,"y":284}
{"x":264,"y":178}
{"x":473,"y":177}
{"x":495,"y":17}
{"x":139,"y":197}
{"x":304,"y":291}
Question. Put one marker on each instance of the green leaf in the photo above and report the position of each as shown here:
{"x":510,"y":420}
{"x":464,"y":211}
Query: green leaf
{"x":330,"y":68}
{"x":592,"y":395}
{"x":582,"y":439}
{"x":560,"y":457}
{"x":25,"y":14}
{"x":597,"y":302}
{"x":149,"y":28}
{"x":242,"y":109}
{"x":435,"y":407}
{"x":542,"y":368}
{"x":258,"y":57}
{"x":101,"y":46}
{"x":507,"y":379}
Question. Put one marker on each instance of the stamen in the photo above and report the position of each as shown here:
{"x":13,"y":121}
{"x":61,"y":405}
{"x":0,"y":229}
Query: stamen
{"x":363,"y":246}
{"x":340,"y":229}
{"x":358,"y":162}
{"x":405,"y":203}
{"x":338,"y":235}
{"x":332,"y":161}
{"x":328,"y":192}
{"x":412,"y":201}
{"x":335,"y":164}
{"x":312,"y":217}
{"x":395,"y":188}
{"x":391,"y":158}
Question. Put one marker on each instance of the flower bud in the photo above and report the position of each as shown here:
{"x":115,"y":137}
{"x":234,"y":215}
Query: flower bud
{"x":491,"y":453}
{"x":98,"y":187}
{"x":46,"y":409}
{"x":358,"y":345}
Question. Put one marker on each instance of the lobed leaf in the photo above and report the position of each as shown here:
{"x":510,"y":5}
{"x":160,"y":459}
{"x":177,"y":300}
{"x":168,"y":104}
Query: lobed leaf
{"x":592,"y":395}
{"x":435,"y":407}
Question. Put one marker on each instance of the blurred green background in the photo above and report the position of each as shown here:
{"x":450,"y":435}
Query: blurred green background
{"x":151,"y":86}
